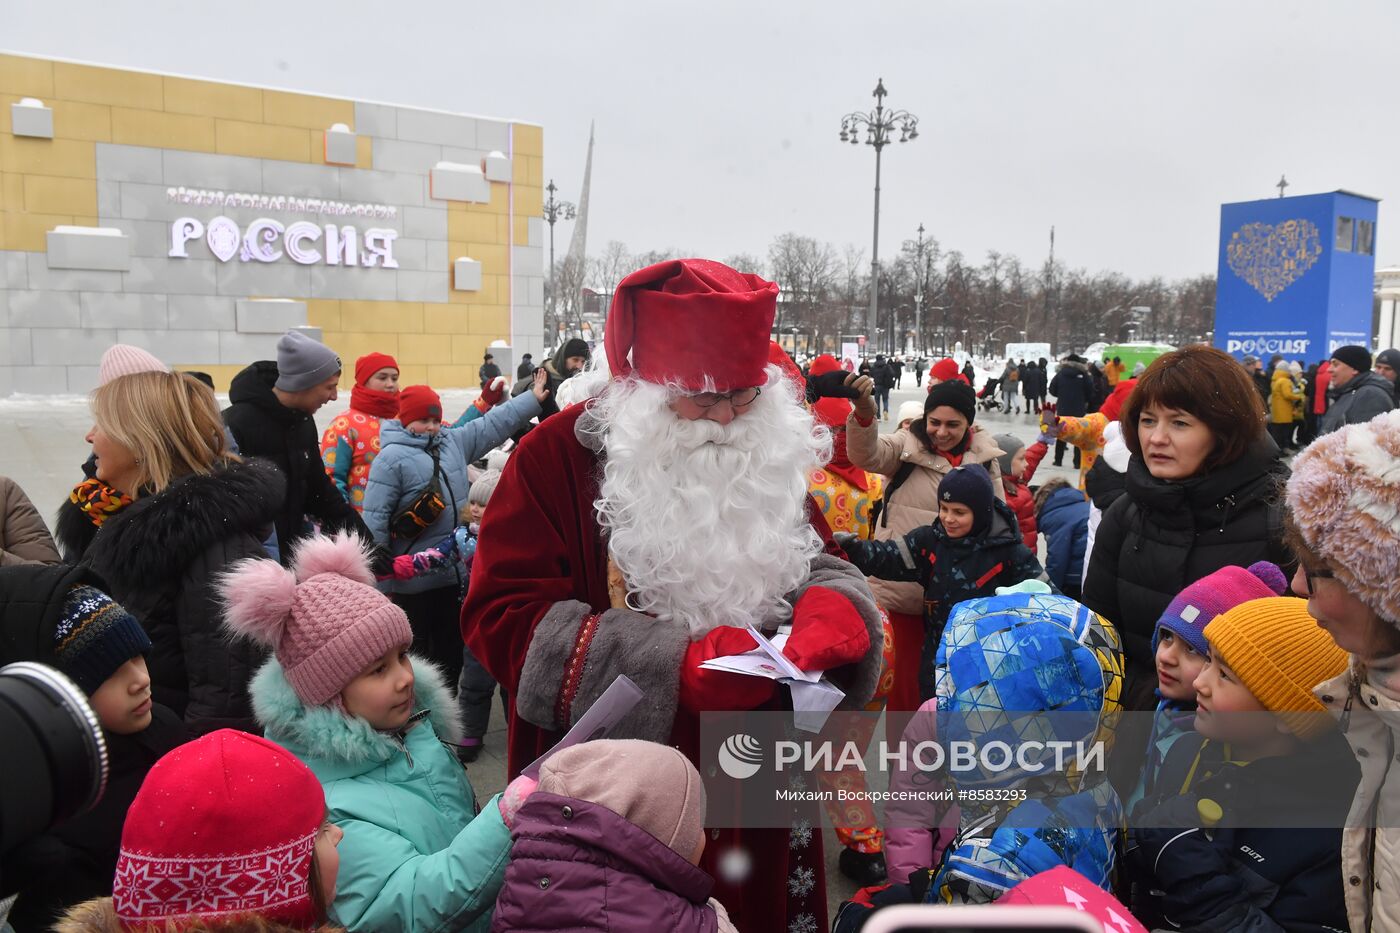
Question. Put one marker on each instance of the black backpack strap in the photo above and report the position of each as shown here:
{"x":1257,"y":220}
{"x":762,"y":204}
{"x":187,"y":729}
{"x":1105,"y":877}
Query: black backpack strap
{"x":880,"y":511}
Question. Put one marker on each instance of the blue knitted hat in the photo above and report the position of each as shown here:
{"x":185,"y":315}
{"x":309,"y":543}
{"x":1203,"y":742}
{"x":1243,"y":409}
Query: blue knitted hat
{"x":96,"y":636}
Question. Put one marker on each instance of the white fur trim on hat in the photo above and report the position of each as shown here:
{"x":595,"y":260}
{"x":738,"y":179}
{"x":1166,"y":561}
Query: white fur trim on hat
{"x":1344,"y":495}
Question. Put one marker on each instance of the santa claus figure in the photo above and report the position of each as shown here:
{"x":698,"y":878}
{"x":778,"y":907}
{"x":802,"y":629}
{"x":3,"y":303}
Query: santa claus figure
{"x":639,"y":532}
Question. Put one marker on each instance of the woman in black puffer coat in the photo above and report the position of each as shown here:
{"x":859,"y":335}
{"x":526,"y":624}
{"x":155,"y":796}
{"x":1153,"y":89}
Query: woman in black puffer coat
{"x":1203,"y":491}
{"x":193,"y":511}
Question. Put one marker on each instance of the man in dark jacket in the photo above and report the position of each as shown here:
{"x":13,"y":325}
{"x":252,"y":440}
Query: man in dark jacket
{"x":883,"y":374}
{"x":271,"y":404}
{"x":1255,"y":367}
{"x":569,"y":360}
{"x":1388,"y":367}
{"x":1073,"y":388}
{"x":488,"y":371}
{"x":526,"y":369}
{"x":1357,"y":394}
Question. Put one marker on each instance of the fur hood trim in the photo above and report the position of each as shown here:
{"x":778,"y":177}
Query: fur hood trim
{"x":326,"y":733}
{"x":157,"y":536}
{"x":99,"y":916}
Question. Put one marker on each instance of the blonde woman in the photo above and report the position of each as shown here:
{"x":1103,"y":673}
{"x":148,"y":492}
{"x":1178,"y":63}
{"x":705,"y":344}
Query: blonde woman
{"x":194,"y":510}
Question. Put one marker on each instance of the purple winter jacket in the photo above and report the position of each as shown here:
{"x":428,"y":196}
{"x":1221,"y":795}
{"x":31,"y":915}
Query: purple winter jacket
{"x":576,"y":865}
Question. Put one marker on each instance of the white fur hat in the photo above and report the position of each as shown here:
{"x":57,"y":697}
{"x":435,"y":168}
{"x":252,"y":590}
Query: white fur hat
{"x":1344,"y":496}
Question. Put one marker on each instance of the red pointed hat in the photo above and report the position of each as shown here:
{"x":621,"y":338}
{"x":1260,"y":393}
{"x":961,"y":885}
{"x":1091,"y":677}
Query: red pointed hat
{"x":687,"y":319}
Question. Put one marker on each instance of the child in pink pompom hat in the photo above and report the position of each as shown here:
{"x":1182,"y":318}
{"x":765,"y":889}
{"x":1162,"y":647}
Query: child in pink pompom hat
{"x":343,"y":694}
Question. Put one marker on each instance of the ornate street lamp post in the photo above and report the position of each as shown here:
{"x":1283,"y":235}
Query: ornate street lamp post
{"x":555,"y":210}
{"x":878,"y":126}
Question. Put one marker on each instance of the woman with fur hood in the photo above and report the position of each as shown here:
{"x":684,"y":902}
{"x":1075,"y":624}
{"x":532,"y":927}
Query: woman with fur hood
{"x":343,"y":694}
{"x":188,"y":510}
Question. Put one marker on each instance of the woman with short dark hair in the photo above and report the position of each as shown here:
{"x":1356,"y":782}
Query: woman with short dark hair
{"x":1203,"y":492}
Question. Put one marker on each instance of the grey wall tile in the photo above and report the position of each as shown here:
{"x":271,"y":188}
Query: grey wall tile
{"x":44,"y":309}
{"x":208,"y":170}
{"x":392,"y":155}
{"x":375,"y":119}
{"x":201,"y":312}
{"x":129,"y":163}
{"x":71,"y":346}
{"x":104,"y":309}
{"x":171,"y":276}
{"x":443,"y":129}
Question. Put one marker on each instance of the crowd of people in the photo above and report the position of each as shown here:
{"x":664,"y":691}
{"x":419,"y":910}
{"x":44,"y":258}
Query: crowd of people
{"x":292,"y":639}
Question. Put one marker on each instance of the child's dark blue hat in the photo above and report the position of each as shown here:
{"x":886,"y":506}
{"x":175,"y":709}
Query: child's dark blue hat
{"x":970,"y":486}
{"x":96,"y":636}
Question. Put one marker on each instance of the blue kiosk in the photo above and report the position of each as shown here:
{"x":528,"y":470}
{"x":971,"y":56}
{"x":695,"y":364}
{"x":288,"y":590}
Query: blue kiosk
{"x":1296,"y":275}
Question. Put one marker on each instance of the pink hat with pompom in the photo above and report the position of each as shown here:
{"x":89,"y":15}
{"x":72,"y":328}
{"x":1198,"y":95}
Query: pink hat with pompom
{"x":322,"y":617}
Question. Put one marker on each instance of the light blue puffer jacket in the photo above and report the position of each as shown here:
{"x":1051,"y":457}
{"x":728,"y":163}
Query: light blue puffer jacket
{"x":416,"y":856}
{"x":404,"y":467}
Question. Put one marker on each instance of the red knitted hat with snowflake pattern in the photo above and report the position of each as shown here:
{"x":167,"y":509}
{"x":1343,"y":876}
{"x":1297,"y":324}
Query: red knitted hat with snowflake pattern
{"x":223,"y":825}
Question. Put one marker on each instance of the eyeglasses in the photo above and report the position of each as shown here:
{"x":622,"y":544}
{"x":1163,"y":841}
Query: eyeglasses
{"x":1311,"y":575}
{"x":739,"y":398}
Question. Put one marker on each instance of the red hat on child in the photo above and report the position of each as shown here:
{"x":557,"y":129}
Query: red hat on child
{"x":417,"y":402}
{"x":690,"y":321}
{"x":825,"y":363}
{"x":371,"y":363}
{"x":222,"y":825}
{"x":946,"y":370}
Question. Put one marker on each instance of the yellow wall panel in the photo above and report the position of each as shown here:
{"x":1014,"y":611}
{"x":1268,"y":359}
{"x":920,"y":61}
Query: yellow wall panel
{"x":364,"y":151}
{"x":73,"y":120}
{"x":522,"y":231}
{"x":221,"y":374}
{"x":444,"y":319}
{"x":108,"y":86}
{"x":528,"y":140}
{"x":261,"y":141}
{"x":468,"y":348}
{"x":453,"y":377}
{"x":47,"y":194}
{"x":424,"y":348}
{"x":26,"y":77}
{"x":161,"y":130}
{"x":529,"y":201}
{"x":68,"y":158}
{"x":492,"y":321}
{"x":528,"y":170}
{"x":211,"y":99}
{"x":27,"y":231}
{"x":467,"y":227}
{"x":11,"y":192}
{"x":351,"y":346}
{"x":306,"y":111}
{"x":382,"y":317}
{"x":494,"y":257}
{"x":413,"y":374}
{"x":323,"y":313}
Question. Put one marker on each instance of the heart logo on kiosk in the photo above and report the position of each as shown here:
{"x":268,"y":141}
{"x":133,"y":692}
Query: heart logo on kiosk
{"x":1271,"y":257}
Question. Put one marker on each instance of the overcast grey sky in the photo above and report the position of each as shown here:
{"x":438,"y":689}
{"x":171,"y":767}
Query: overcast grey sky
{"x":1123,"y":124}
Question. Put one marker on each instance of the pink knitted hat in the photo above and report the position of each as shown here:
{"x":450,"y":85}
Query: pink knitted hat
{"x":1194,"y":607}
{"x":123,"y":359}
{"x":1344,"y":496}
{"x":652,"y":786}
{"x":323,"y":618}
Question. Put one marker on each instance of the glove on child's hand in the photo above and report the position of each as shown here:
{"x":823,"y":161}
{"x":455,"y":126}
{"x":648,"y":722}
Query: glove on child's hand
{"x":403,"y":567}
{"x":513,"y":798}
{"x":431,"y":559}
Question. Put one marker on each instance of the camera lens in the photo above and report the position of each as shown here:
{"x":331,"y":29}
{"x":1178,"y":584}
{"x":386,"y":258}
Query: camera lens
{"x":56,"y":758}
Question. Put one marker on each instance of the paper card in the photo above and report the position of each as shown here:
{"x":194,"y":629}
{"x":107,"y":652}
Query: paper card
{"x":813,"y":703}
{"x":597,"y":721}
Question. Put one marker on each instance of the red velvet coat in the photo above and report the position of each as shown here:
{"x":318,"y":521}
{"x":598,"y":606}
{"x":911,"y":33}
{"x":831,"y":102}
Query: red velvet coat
{"x":541,"y":557}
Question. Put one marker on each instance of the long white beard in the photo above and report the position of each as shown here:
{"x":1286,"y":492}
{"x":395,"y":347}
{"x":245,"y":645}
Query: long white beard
{"x":708,"y":522}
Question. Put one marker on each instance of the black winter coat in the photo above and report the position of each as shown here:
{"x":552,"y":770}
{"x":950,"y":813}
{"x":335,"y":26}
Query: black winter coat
{"x":1032,"y":381}
{"x":1161,"y":536}
{"x":1104,"y":485}
{"x":264,"y":427}
{"x":883,"y":374}
{"x":1073,"y":389}
{"x":162,"y":556}
{"x":951,"y":570}
{"x":1259,"y":870}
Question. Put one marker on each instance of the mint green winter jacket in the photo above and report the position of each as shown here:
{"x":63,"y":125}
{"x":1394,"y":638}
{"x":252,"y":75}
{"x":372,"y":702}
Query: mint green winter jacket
{"x":417,"y":856}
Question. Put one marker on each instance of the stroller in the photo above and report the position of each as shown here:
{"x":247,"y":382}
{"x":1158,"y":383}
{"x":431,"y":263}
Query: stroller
{"x":989,"y":399}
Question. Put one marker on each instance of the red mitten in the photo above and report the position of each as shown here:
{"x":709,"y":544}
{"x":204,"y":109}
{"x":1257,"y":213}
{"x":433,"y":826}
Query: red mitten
{"x":494,"y":391}
{"x":827,"y":631}
{"x":703,"y":689}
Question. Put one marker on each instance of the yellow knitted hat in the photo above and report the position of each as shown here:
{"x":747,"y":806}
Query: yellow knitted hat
{"x":1280,"y":654}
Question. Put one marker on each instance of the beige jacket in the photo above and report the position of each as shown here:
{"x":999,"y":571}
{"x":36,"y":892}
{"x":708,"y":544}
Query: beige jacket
{"x":24,"y":539}
{"x":1370,"y":857}
{"x":915,"y":503}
